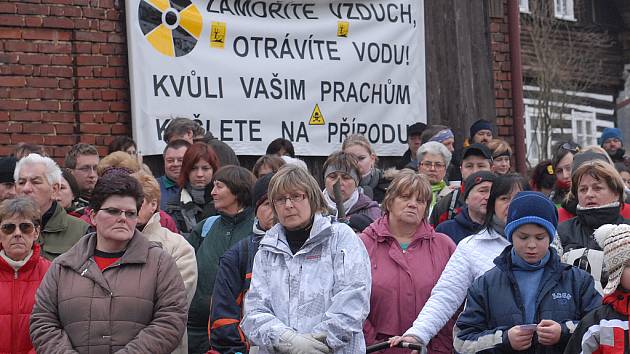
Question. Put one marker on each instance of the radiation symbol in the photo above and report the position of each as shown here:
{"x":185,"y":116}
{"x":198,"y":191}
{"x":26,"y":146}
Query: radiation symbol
{"x":172,"y":27}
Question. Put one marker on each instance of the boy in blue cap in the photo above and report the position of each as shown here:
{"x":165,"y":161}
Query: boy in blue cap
{"x":529,"y":299}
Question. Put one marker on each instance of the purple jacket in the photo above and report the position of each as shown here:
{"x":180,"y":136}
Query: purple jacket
{"x":402,"y":281}
{"x":365,"y":206}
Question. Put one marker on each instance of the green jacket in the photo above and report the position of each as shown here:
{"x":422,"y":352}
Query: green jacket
{"x":225,"y":232}
{"x":60,"y":233}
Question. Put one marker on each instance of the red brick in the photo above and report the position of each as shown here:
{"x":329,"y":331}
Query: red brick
{"x":89,"y":118}
{"x":94,"y":13}
{"x":10,"y":33}
{"x":42,"y":82}
{"x":119,"y":107}
{"x":95,"y":83}
{"x":116,"y":38}
{"x":91,"y":60}
{"x":83,"y":48}
{"x":56,"y":71}
{"x":61,"y":60}
{"x":20,"y":46}
{"x":34,"y":21}
{"x":39,"y":128}
{"x":94,"y":128}
{"x":64,"y":2}
{"x":5,"y":139}
{"x":48,"y":105}
{"x":113,"y":15}
{"x":60,"y":117}
{"x":82,"y":23}
{"x":87,"y":94}
{"x":66,"y":106}
{"x":59,"y":140}
{"x":87,"y":139}
{"x":120,"y":129}
{"x":64,"y":128}
{"x":8,"y":8}
{"x":56,"y":47}
{"x":57,"y":94}
{"x":106,"y":26}
{"x":32,"y":9}
{"x":12,"y":20}
{"x":12,"y":105}
{"x":46,"y":34}
{"x":110,"y":118}
{"x":12,"y":81}
{"x":10,"y":127}
{"x":8,"y":58}
{"x":26,"y":116}
{"x":27,"y":138}
{"x":66,"y":83}
{"x":107,"y":4}
{"x":58,"y":22}
{"x":108,"y":95}
{"x":117,"y":61}
{"x":26,"y":70}
{"x":25,"y":93}
{"x":118,"y":83}
{"x":68,"y":11}
{"x":91,"y":36}
{"x":36,"y":59}
{"x":88,"y":106}
{"x":4,"y":116}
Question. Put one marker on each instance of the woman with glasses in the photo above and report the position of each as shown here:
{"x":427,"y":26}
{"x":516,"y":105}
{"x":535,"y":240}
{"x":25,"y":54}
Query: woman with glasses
{"x":359,"y":209}
{"x":22,"y":268}
{"x":114,"y":291}
{"x":310,"y":285}
{"x":473,"y":256}
{"x":433,"y":159}
{"x":407,"y":258}
{"x":232,"y":196}
{"x":194,"y":202}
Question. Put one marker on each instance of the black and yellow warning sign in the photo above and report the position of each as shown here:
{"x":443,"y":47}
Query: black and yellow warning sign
{"x":342,"y":28}
{"x":217,"y":35}
{"x":317,"y":118}
{"x":172,"y":27}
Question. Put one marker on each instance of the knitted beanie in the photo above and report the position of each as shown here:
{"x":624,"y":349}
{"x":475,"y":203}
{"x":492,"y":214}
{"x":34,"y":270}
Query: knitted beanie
{"x":260,"y":190}
{"x":610,"y":133}
{"x":476,"y":179}
{"x":615,"y":241}
{"x":481,"y":124}
{"x":531,"y":208}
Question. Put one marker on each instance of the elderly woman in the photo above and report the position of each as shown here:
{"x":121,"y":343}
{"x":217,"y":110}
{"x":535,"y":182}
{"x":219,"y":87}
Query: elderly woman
{"x":530,"y":300}
{"x":194,"y":202}
{"x":174,"y":244}
{"x":473,"y":257}
{"x":407,"y":258}
{"x":373,"y":180}
{"x":501,"y":155}
{"x":232,"y":195}
{"x":22,"y":268}
{"x":358,"y":208}
{"x":433,"y":159}
{"x":310,"y":286}
{"x":114,"y":291}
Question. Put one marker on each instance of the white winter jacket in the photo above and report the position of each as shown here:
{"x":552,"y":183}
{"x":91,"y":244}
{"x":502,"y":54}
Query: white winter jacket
{"x":473,"y":257}
{"x":324,"y":287}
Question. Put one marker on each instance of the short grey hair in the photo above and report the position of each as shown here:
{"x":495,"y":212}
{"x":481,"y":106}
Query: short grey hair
{"x":53,"y":172}
{"x":434,"y":147}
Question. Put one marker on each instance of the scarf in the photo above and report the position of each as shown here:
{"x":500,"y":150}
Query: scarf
{"x":347,"y":205}
{"x":619,"y":300}
{"x":16,"y":265}
{"x":435,"y":189}
{"x":598,"y":216}
{"x":198,"y":194}
{"x":528,"y":277}
{"x":497,"y":225}
{"x":297,"y":238}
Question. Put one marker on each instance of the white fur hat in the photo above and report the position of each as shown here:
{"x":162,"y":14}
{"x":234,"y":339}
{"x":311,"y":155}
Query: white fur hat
{"x":615,"y":242}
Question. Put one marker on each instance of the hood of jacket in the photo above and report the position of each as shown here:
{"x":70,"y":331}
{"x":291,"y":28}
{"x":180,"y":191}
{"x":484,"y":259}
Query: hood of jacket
{"x":463,"y":219}
{"x":275,"y":240}
{"x":379,"y":231}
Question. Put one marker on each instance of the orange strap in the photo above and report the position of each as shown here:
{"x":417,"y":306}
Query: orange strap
{"x":223,"y":322}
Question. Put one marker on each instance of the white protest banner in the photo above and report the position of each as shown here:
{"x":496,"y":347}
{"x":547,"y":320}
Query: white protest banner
{"x":252,"y":71}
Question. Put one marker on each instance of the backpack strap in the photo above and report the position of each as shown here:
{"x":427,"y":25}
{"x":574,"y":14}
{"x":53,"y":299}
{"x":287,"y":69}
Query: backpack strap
{"x":451,"y":207}
{"x":244,"y":259}
{"x":207,"y":225}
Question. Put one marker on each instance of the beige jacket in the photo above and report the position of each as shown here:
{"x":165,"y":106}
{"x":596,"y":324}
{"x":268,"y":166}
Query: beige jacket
{"x":183,"y":254}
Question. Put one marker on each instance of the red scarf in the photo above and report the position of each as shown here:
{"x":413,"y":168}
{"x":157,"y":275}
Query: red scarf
{"x":619,"y":300}
{"x":563,"y":185}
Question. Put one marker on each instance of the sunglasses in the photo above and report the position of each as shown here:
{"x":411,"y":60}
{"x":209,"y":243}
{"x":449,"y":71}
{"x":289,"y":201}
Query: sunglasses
{"x":129,"y":214}
{"x":573,"y":148}
{"x":25,"y":228}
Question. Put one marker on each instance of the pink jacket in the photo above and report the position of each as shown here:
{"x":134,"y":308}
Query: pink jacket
{"x":402,"y":282}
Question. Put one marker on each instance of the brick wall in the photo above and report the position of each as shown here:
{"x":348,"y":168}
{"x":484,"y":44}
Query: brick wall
{"x":63,"y":73}
{"x":500,"y":47}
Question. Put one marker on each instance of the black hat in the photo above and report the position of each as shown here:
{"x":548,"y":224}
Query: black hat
{"x":477,"y":150}
{"x":7,"y":167}
{"x":477,"y":178}
{"x":261,"y":188}
{"x":583,"y":157}
{"x":478,"y":125}
{"x":416,"y":129}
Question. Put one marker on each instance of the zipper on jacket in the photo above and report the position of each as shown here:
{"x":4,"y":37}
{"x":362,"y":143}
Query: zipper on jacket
{"x":626,"y":342}
{"x":14,"y":309}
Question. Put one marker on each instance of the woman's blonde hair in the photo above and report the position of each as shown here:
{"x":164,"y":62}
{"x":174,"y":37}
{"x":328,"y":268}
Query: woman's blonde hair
{"x":499,"y":147}
{"x":357,"y":139}
{"x":408,"y":182}
{"x":149,"y":184}
{"x":118,"y":159}
{"x":290,"y":178}
{"x":601,"y":171}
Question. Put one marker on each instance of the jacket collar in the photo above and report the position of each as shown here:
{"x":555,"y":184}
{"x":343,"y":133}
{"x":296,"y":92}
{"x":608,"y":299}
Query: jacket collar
{"x":463,"y":219}
{"x":58,"y":221}
{"x":30,"y":264}
{"x":380,"y":231}
{"x":276,"y":240}
{"x":153,"y":225}
{"x":79,"y":256}
{"x":504,"y":261}
{"x":235,"y":219}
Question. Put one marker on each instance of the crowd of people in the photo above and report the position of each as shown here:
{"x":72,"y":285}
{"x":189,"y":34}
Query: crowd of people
{"x":451,"y":249}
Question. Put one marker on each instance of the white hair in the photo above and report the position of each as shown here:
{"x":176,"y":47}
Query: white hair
{"x":294,"y":161}
{"x":53,"y":172}
{"x":434,"y":147}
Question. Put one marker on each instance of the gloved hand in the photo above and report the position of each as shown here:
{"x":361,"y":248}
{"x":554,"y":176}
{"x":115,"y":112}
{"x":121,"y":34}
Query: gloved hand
{"x":292,"y":342}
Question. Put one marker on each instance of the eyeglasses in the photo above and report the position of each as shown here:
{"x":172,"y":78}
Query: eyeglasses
{"x":573,"y":148}
{"x":87,"y":169}
{"x":129,"y":214}
{"x":25,"y":227}
{"x":429,"y":165}
{"x":294,"y":198}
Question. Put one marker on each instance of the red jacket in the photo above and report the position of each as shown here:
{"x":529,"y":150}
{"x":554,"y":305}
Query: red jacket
{"x":17,"y":296}
{"x":402,"y":281}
